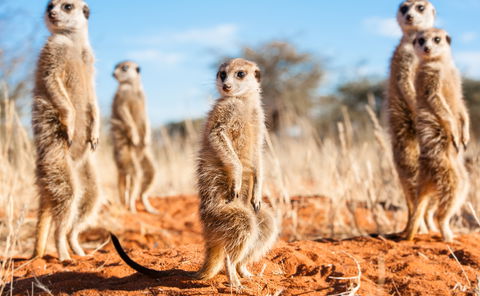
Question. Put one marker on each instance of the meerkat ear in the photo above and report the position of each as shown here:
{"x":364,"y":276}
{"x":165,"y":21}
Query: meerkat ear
{"x":449,"y":40}
{"x":258,"y":75}
{"x":86,"y":11}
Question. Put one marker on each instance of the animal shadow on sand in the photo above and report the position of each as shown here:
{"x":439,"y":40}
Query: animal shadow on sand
{"x":72,"y":282}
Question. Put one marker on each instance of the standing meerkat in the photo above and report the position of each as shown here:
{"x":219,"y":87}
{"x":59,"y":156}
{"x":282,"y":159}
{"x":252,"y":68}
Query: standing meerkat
{"x":131,"y":138}
{"x":412,"y":16}
{"x":65,"y":121}
{"x":443,"y":131}
{"x":237,"y":228}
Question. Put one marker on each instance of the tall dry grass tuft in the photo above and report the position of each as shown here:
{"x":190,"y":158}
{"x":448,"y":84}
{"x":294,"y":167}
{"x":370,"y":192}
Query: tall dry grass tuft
{"x":16,"y":194}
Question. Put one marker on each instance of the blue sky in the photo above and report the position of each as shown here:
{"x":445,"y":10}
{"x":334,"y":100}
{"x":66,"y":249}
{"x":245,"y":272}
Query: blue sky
{"x":177,"y":43}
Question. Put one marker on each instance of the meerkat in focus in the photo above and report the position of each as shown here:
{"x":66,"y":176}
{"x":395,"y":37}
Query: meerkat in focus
{"x":131,"y":138}
{"x":230,"y":176}
{"x":443,"y":131}
{"x":412,"y":16}
{"x":65,"y":121}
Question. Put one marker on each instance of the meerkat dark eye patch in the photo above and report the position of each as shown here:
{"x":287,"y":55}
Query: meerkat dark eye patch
{"x":124,"y":68}
{"x":404,"y":9}
{"x":258,"y":75}
{"x":437,"y":40}
{"x":449,"y":39}
{"x":50,"y":7}
{"x":241,"y":74}
{"x":86,"y":12}
{"x":421,"y":41}
{"x":222,"y":75}
{"x":68,"y":7}
{"x":138,"y":70}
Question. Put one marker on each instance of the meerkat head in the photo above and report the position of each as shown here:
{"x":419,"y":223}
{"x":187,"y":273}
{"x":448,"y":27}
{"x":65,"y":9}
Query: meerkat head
{"x":238,"y":77}
{"x":432,"y":44}
{"x":416,"y":15}
{"x":126,"y":72}
{"x":66,"y":15}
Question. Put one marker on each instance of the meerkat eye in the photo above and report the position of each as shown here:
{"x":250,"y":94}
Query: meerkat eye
{"x":223,"y":75}
{"x":421,"y":41}
{"x":421,"y":8}
{"x":124,"y":68}
{"x":404,"y":9}
{"x":437,"y":40}
{"x":241,"y":74}
{"x":68,"y":7}
{"x":50,"y":7}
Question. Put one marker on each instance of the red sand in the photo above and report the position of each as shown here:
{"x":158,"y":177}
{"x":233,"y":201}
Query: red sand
{"x":173,"y":240}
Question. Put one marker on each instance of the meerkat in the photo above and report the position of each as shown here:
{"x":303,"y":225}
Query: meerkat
{"x":65,"y":121}
{"x":237,"y":228}
{"x":443,"y":131}
{"x":131,"y":137}
{"x":412,"y":16}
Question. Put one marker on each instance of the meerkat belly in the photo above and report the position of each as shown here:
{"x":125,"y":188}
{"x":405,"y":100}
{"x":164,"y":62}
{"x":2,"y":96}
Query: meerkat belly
{"x":432,"y":134}
{"x":78,"y":87}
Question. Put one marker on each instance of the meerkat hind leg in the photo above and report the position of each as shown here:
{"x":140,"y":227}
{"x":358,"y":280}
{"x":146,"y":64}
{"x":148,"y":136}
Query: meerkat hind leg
{"x":422,"y":202}
{"x":268,"y":233}
{"x":148,"y":179}
{"x":43,"y":229}
{"x":449,"y":205}
{"x":213,"y":262}
{"x":88,"y":205}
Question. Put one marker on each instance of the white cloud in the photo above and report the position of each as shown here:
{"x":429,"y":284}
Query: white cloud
{"x":156,"y":56}
{"x":468,"y":37}
{"x":469,"y":63}
{"x":218,"y":36}
{"x":385,"y":27}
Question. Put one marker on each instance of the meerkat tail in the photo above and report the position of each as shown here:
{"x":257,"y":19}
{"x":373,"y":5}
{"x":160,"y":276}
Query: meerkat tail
{"x":145,"y":270}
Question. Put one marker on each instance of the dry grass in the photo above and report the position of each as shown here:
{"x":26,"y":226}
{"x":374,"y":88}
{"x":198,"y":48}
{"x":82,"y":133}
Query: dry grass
{"x":350,"y":169}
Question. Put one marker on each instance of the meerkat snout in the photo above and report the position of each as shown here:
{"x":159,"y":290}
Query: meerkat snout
{"x":237,"y":78}
{"x":415,"y":14}
{"x":66,"y":15}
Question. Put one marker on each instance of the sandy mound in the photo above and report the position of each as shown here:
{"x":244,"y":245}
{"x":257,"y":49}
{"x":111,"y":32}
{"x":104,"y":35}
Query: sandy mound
{"x":308,"y":267}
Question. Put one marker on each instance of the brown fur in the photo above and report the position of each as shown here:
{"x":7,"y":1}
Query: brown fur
{"x":237,"y":229}
{"x":443,"y":133}
{"x":401,"y":99}
{"x":131,"y":138}
{"x":66,"y":127}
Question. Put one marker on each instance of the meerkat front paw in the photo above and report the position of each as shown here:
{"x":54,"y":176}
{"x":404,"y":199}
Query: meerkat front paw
{"x":235,"y":189}
{"x":465,"y":138}
{"x":135,"y":138}
{"x":456,"y":142}
{"x":68,"y":121}
{"x":94,"y":138}
{"x":93,"y":143}
{"x":257,"y":204}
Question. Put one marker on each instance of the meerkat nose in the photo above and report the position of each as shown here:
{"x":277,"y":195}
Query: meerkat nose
{"x":227,"y":87}
{"x":427,"y":49}
{"x":409,"y":17}
{"x":52,"y":14}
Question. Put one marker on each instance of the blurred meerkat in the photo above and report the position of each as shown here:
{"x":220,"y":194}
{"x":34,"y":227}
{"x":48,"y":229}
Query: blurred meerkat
{"x":65,"y":121}
{"x":412,"y":16}
{"x":443,"y":131}
{"x":131,"y":137}
{"x":237,"y":229}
